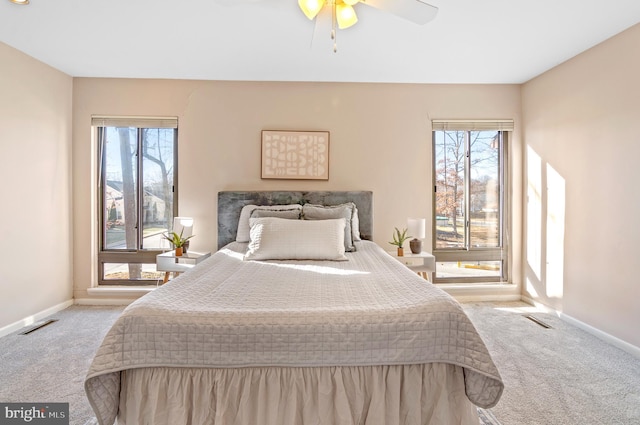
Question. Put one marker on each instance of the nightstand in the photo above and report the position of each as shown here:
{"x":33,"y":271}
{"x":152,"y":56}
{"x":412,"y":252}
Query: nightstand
{"x":169,"y":262}
{"x":423,"y":263}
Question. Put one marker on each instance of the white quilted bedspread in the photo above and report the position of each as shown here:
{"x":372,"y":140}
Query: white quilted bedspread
{"x":229,"y":313}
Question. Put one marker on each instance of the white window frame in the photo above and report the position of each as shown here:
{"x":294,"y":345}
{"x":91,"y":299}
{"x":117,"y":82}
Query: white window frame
{"x":137,"y":255}
{"x":469,"y":253}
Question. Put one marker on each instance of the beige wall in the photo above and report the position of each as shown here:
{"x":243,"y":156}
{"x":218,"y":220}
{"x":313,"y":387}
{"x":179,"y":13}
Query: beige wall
{"x":582,"y":129}
{"x":579,"y":121}
{"x":35,"y":216}
{"x":380,"y":141}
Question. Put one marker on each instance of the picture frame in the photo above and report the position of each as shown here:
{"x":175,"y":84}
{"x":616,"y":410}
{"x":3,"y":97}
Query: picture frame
{"x":296,"y":155}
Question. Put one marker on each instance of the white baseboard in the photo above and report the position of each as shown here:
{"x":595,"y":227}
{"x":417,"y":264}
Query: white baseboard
{"x":616,"y":342}
{"x":30,"y":320}
{"x":539,"y":305}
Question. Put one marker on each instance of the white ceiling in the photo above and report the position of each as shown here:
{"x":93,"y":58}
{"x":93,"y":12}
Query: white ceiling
{"x":469,"y":41}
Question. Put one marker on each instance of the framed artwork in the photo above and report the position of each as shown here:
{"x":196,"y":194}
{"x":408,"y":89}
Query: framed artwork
{"x":301,"y":155}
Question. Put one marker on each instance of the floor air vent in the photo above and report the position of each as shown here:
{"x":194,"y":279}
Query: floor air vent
{"x":37,"y":326}
{"x":538,"y":321}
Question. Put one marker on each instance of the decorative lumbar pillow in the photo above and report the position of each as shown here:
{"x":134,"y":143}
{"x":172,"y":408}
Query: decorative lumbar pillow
{"x":327,"y":212}
{"x":242,"y":234}
{"x":282,"y":239}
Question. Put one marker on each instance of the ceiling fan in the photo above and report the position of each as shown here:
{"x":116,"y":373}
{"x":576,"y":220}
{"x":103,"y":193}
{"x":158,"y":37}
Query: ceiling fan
{"x":413,"y":10}
{"x":343,"y":12}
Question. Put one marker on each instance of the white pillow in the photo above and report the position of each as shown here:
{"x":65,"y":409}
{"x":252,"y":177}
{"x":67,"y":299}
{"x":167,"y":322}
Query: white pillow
{"x":242,"y":235}
{"x":282,"y":239}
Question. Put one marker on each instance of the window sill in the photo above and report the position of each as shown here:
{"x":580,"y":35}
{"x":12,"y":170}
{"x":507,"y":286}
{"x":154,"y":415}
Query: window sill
{"x":129,"y":291}
{"x":472,"y":292}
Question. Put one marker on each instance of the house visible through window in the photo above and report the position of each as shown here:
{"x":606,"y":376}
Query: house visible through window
{"x":469,"y":219}
{"x":137,"y":181}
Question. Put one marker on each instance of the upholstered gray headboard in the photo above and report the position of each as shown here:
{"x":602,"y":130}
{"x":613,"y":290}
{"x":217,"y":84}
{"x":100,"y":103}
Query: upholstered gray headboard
{"x":230,"y":204}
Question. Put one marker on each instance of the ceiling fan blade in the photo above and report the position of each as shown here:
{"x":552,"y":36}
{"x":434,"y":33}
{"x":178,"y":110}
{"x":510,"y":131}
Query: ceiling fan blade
{"x":322,"y":30}
{"x":413,"y":10}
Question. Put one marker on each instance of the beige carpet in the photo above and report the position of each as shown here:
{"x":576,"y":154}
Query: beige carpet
{"x":50,"y":364}
{"x":552,"y":376}
{"x":557,"y":376}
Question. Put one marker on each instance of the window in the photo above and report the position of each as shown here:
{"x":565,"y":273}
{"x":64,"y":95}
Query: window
{"x":469,"y":199}
{"x":137,"y":158}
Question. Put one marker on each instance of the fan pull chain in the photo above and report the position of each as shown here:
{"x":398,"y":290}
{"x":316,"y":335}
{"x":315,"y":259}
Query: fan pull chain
{"x":335,"y":42}
{"x":334,"y":34}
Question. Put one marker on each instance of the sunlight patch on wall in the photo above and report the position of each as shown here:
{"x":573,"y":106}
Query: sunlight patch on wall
{"x":534,"y":212}
{"x":556,"y":193}
{"x":531,"y":288}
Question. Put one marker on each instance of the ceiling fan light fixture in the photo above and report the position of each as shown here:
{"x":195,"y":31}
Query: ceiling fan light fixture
{"x":310,"y":8}
{"x":19,"y":1}
{"x":351,"y":2}
{"x":345,"y":15}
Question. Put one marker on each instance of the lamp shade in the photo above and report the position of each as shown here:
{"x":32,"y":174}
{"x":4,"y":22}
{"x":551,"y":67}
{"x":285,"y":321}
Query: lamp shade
{"x":311,"y":8}
{"x":345,"y":15}
{"x":183,"y":225}
{"x":416,"y":227}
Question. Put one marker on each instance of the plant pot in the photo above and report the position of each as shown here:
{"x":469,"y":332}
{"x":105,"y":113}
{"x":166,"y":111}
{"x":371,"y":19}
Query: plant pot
{"x":179,"y":252}
{"x":400,"y":252}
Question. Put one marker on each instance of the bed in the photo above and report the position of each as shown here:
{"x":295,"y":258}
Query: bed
{"x":350,"y":336}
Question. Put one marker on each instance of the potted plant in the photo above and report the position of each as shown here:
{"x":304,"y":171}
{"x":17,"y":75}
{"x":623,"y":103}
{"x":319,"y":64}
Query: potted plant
{"x":177,"y":241}
{"x":399,"y":237}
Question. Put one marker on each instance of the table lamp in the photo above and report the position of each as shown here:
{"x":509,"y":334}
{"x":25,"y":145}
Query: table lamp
{"x":416,"y":228}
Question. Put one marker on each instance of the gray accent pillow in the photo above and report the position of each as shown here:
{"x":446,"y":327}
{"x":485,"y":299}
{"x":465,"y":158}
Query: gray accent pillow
{"x":292,"y":214}
{"x":355,"y":224}
{"x":328,"y":212}
{"x":242,"y":234}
